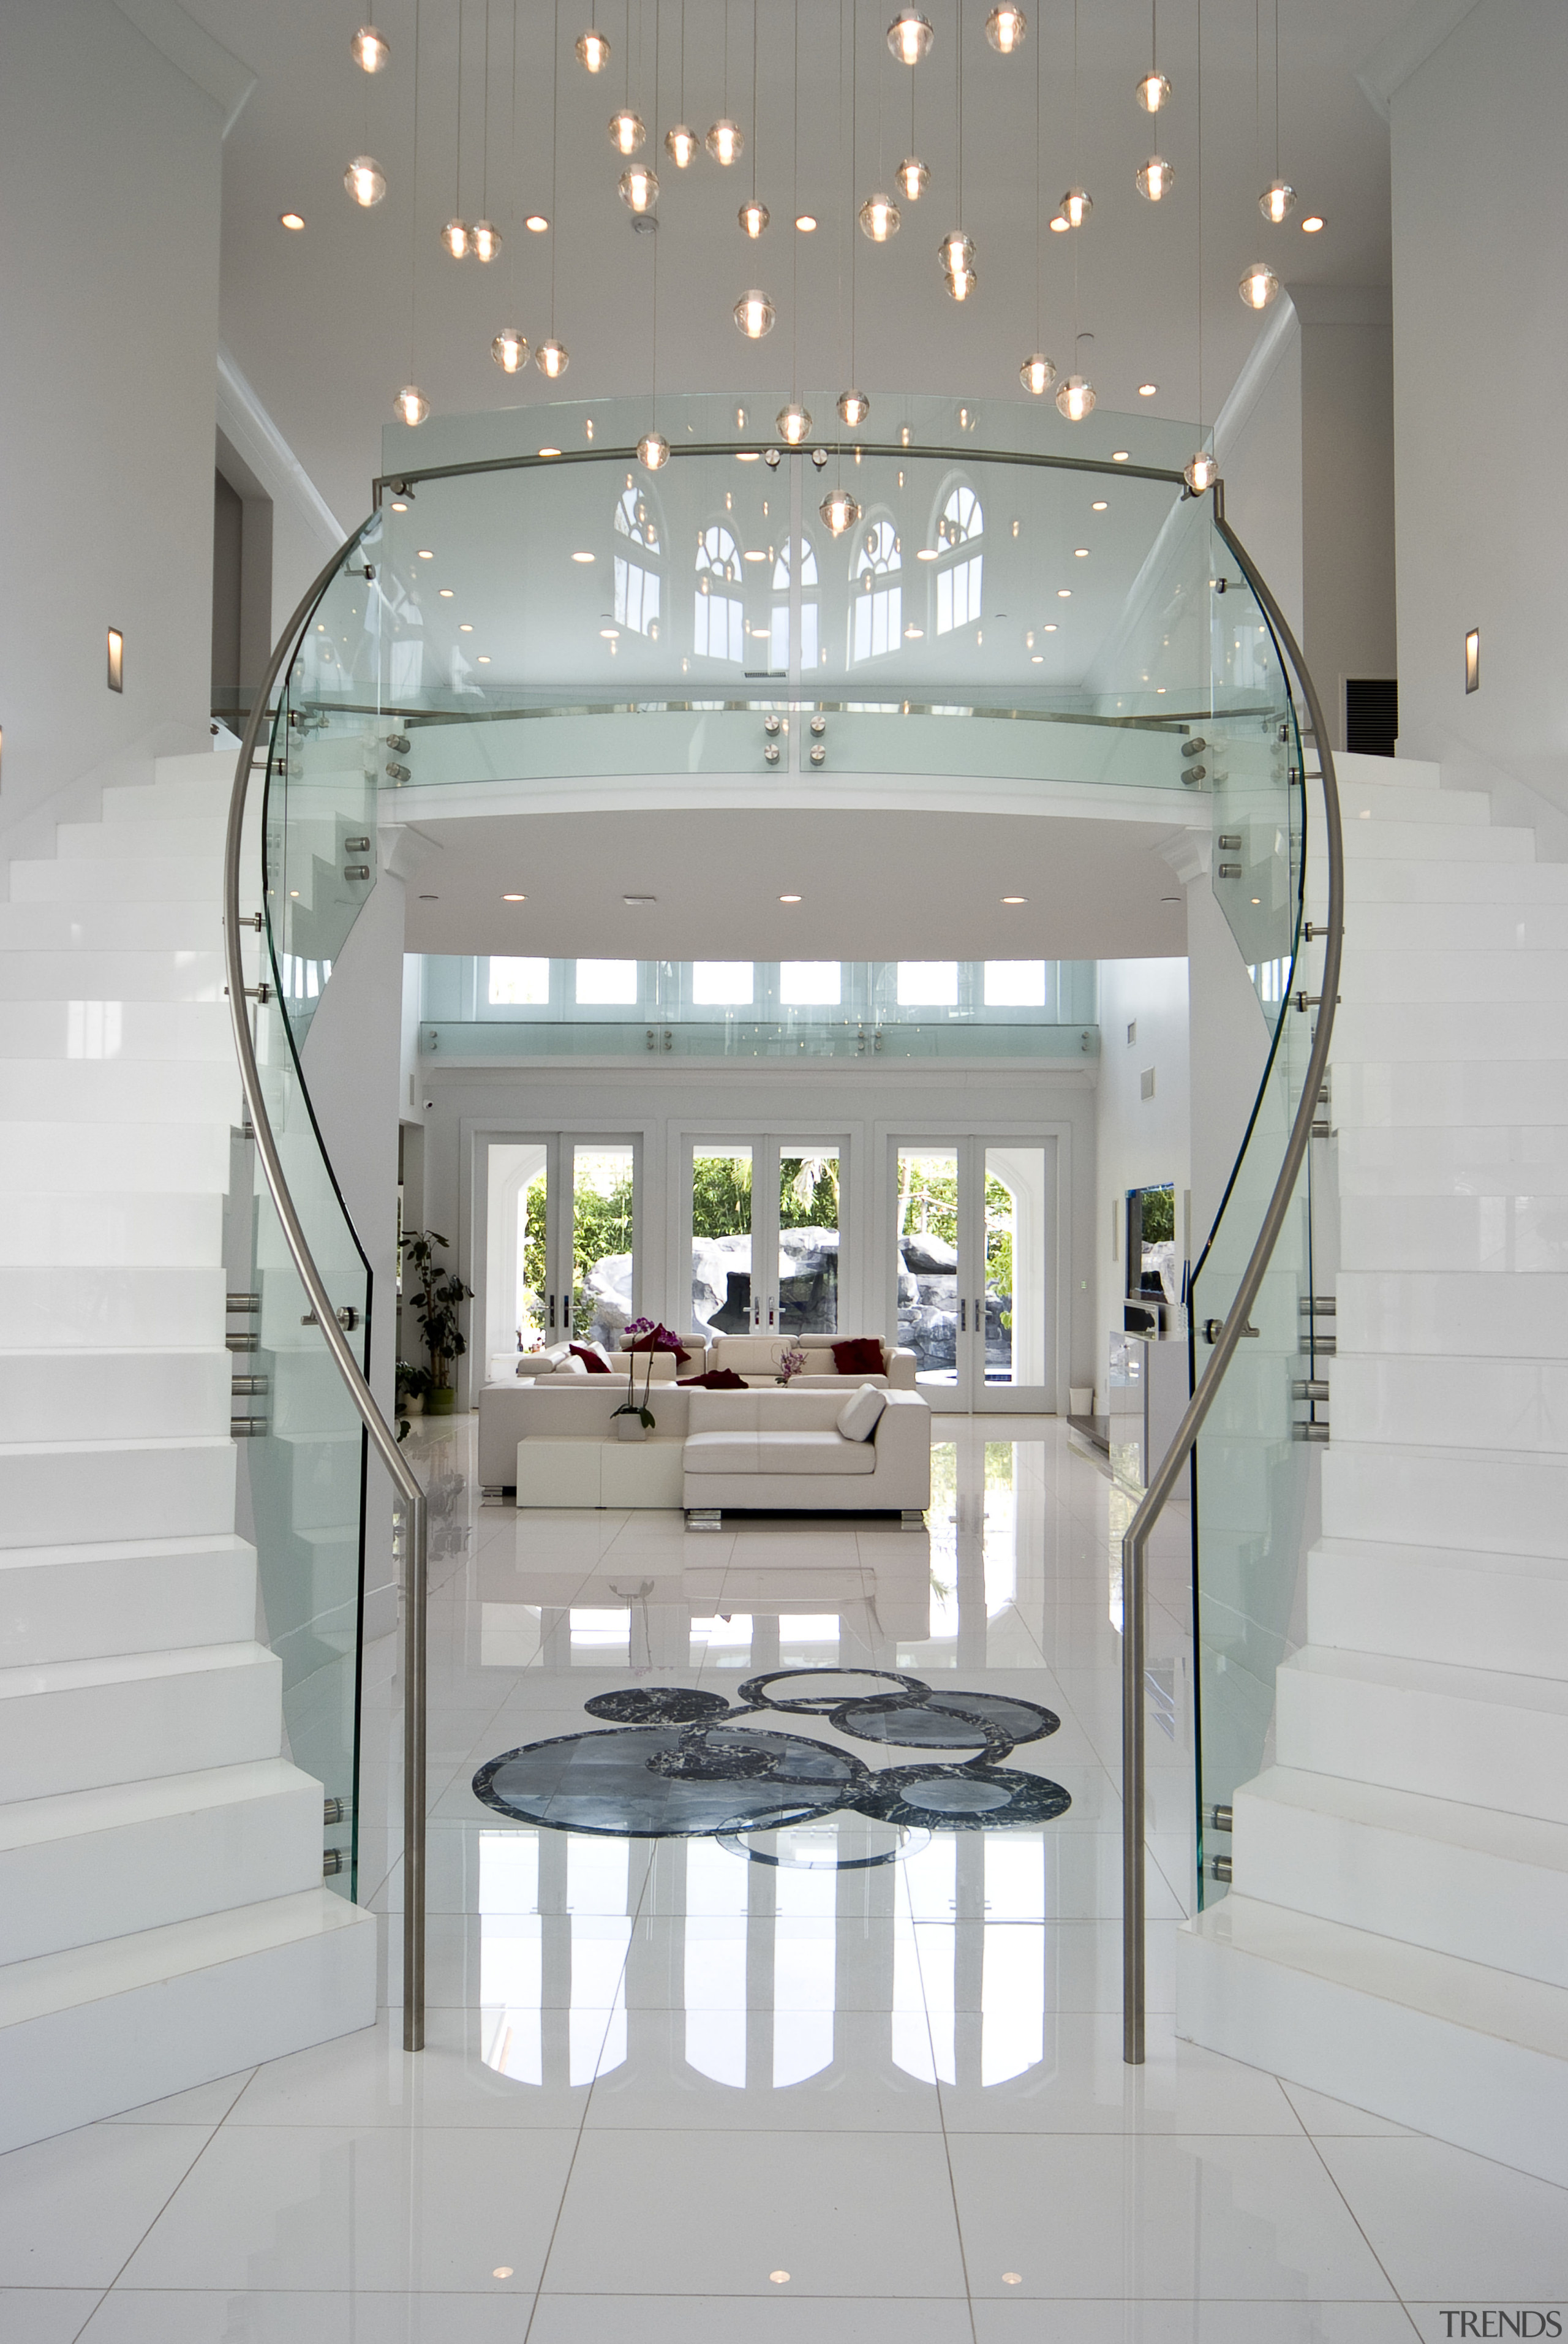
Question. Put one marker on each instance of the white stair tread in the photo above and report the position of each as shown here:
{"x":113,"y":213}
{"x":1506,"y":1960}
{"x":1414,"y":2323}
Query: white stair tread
{"x":1487,"y":1831}
{"x":69,"y":1815}
{"x":49,"y":1983}
{"x":1469,"y":1994}
{"x":1433,"y":1679}
{"x":127,"y":1668}
{"x":148,"y":1549}
{"x":180,"y":1445}
{"x":1552,"y":1567}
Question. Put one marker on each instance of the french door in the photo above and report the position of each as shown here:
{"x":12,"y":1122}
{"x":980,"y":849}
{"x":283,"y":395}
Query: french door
{"x":762,"y":1228}
{"x":561,"y":1242}
{"x":973,"y":1222}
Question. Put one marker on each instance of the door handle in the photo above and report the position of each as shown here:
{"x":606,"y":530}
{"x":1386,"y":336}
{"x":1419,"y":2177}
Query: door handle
{"x":566,"y":1312}
{"x":963,"y":1316}
{"x":552,"y":1314}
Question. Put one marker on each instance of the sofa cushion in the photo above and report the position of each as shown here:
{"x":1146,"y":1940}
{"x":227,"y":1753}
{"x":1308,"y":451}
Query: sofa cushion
{"x":714,"y":1379}
{"x":722,"y":1452}
{"x":804,"y":1450}
{"x":571,"y":1366}
{"x":859,"y":1355}
{"x":592,"y":1357}
{"x":655,"y":1343}
{"x":860,"y":1416}
{"x":541,"y":1363}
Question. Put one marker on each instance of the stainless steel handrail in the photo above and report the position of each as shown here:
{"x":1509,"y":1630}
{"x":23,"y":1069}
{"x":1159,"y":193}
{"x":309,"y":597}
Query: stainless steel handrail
{"x":383,"y":1438}
{"x":1135,"y":1543}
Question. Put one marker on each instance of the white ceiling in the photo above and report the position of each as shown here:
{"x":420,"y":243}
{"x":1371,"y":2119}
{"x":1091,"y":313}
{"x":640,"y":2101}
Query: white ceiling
{"x":320,"y":322}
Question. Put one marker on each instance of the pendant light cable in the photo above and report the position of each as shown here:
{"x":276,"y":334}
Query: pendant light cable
{"x":458,"y":205}
{"x":485,"y":124}
{"x":515,"y":206}
{"x":1200,"y":4}
{"x":795,"y":214}
{"x":554,"y":151}
{"x":1039,"y":195}
{"x":755,"y":5}
{"x":414,"y":209}
{"x":854,"y":166}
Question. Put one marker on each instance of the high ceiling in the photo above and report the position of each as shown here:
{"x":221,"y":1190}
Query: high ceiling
{"x":322,"y":323}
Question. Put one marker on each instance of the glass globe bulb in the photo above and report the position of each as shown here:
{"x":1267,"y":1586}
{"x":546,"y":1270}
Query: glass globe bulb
{"x":793,"y":424}
{"x":639,"y":187}
{"x":753,"y":217}
{"x":412,"y":404}
{"x":365,"y":181}
{"x":880,"y":218}
{"x":1259,"y":285}
{"x":627,"y":131}
{"x":593,"y":51}
{"x":724,"y":141}
{"x":486,"y":239}
{"x":510,"y":349}
{"x":754,"y":315}
{"x":1155,"y":180}
{"x":1153,"y":91}
{"x":455,"y":238}
{"x":956,"y":253}
{"x":370,"y":50}
{"x":551,"y":358}
{"x":1076,"y":206}
{"x":840,"y":511}
{"x":853,"y":407}
{"x":1201,"y":471}
{"x":909,"y":36}
{"x":1006,"y":27}
{"x":1076,"y":397}
{"x":680,"y":145}
{"x":960,"y":283}
{"x":1038,"y":373}
{"x":1278,"y":201}
{"x":913,"y":178}
{"x":653,"y":451}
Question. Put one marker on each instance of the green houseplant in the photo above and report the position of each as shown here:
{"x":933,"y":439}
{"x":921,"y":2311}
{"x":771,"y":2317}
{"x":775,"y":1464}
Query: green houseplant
{"x":438,"y":1299}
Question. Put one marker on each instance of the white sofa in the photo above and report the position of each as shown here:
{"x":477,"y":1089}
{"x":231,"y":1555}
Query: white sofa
{"x":557,"y":1359}
{"x":782,"y":1452}
{"x":757,"y":1357}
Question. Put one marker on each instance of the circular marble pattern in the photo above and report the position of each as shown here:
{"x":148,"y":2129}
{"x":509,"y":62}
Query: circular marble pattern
{"x":946,"y":1720}
{"x":754,"y":1693}
{"x":656,"y":1705}
{"x":976,"y":1797}
{"x":616,"y":1784}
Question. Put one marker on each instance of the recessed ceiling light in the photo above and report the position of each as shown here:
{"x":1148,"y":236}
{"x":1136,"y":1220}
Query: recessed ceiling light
{"x":1147,"y":389}
{"x":297,"y":220}
{"x":464,"y":626}
{"x":582,"y":557}
{"x":610,"y":634}
{"x":1119,"y":455}
{"x":502,"y":2270}
{"x":806,"y":222}
{"x":537,"y":222}
{"x":1012,"y":2279}
{"x":1060,"y":223}
{"x":1064,"y":593}
{"x":789,"y":899}
{"x":425,"y":554}
{"x":926,"y":553}
{"x":746,"y":455}
{"x":549,"y":452}
{"x":1081,"y":551}
{"x":1257,"y":899}
{"x":1015,"y":899}
{"x":445,"y":592}
{"x":1099,"y":505}
{"x":514,"y":899}
{"x":1048,"y":628}
{"x":780,"y":2279}
{"x":397,"y":506}
{"x":484,"y":659}
{"x":1310,"y":226}
{"x":293,"y":895}
{"x":913,"y":634}
{"x":755,"y":554}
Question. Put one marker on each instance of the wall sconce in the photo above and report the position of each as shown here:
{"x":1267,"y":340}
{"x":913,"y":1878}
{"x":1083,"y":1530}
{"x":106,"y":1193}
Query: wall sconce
{"x":1472,"y":660}
{"x":117,"y":660}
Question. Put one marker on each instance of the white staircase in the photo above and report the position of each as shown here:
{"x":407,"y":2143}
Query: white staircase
{"x":1397,"y":1932}
{"x":162,"y":1919}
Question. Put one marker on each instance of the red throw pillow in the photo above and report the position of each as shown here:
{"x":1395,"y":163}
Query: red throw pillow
{"x":859,"y":1355}
{"x":652,"y":1343}
{"x":590,"y":1360}
{"x":716,"y":1380}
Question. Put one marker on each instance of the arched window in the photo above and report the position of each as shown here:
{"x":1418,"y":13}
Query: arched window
{"x":635,"y":576}
{"x":718,"y":630}
{"x":959,"y":560}
{"x":878,"y":599}
{"x":779,"y":650}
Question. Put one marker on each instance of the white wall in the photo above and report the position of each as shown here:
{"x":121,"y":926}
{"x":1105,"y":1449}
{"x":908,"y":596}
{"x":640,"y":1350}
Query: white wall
{"x":1258,"y":441}
{"x":1480,"y":357}
{"x":109,"y":191}
{"x":1139,"y":1142}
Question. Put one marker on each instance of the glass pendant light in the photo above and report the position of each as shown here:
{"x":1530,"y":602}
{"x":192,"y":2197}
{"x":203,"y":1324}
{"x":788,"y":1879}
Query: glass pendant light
{"x":455,"y":238}
{"x":724,"y":141}
{"x":1038,"y":373}
{"x":1259,"y":287}
{"x":754,"y":315}
{"x":1278,"y":201}
{"x":913,"y":178}
{"x":412,"y":404}
{"x":1076,"y":207}
{"x":753,"y":219}
{"x":1076,"y":397}
{"x":1201,"y":471}
{"x":653,"y":451}
{"x":880,"y":218}
{"x":793,"y":424}
{"x":639,"y":187}
{"x":485,"y":240}
{"x":626,"y":130}
{"x":909,"y":36}
{"x":551,"y":358}
{"x":1153,"y":91}
{"x":680,"y":145}
{"x":1006,"y":28}
{"x":593,"y":51}
{"x":370,"y":50}
{"x":853,"y":408}
{"x":1155,"y":180}
{"x":956,"y":253}
{"x":840,"y":511}
{"x":510,"y":349}
{"x":365,"y":181}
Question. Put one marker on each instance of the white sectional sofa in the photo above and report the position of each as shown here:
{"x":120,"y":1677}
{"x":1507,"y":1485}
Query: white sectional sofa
{"x":756,"y":1358}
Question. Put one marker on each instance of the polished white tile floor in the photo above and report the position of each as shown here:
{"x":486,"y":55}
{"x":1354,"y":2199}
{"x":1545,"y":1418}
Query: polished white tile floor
{"x":673,"y":2096}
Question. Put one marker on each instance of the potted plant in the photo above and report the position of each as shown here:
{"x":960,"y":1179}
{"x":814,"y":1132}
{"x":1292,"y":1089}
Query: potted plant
{"x":633,"y":1419}
{"x":412,"y":1384}
{"x":790,"y":1363}
{"x":438,"y":1299}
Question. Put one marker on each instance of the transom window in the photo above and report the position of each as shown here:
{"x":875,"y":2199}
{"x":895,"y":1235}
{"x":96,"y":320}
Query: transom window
{"x":928,"y":983}
{"x":722,"y":983}
{"x":606,"y":983}
{"x":637,"y":582}
{"x":779,"y":649}
{"x":879,"y":601}
{"x":959,"y":575}
{"x":519,"y":984}
{"x":1015,"y":985}
{"x":810,"y":984}
{"x":719,"y":624}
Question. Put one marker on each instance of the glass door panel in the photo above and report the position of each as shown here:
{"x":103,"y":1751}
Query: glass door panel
{"x":720,"y":1234}
{"x":805,"y":1300}
{"x":517,"y":1279}
{"x":560,"y":1253}
{"x":603,"y":1258}
{"x":1017,"y":1247}
{"x":925,"y":1227}
{"x":974,"y":1223}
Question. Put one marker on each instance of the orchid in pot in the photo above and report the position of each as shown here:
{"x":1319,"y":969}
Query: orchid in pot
{"x":790,"y":1363}
{"x":633,"y":1419}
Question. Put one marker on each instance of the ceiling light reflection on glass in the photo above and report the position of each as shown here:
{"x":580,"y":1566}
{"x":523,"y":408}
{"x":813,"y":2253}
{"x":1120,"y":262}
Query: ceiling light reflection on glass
{"x":1006,"y":29}
{"x":365,"y":181}
{"x":593,"y":51}
{"x":1155,"y":180}
{"x":510,"y":349}
{"x":1038,"y":373}
{"x":724,"y":141}
{"x":551,"y":359}
{"x":754,"y":314}
{"x":909,"y":36}
{"x":880,"y":218}
{"x":680,"y":144}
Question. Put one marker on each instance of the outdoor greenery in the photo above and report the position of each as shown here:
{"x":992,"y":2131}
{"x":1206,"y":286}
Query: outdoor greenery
{"x":1159,"y":1215}
{"x":929,"y":1206}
